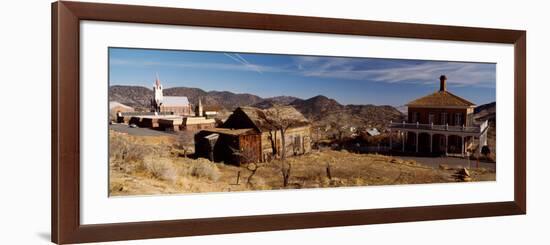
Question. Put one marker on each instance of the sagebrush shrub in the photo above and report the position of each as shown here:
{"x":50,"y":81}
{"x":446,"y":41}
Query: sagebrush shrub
{"x":161,"y":168}
{"x":122,"y":149}
{"x":204,"y":169}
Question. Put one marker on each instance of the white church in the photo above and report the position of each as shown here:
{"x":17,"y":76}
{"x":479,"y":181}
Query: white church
{"x":179,"y":106}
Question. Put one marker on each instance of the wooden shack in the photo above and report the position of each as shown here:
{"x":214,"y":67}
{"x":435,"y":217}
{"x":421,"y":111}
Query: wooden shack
{"x":252,"y":134}
{"x":231,"y":146}
{"x":264,"y":121}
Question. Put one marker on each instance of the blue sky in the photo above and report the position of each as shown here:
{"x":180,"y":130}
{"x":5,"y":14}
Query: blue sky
{"x":347,"y":80}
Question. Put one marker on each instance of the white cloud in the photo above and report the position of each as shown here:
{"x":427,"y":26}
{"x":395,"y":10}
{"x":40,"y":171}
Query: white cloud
{"x":458,"y":73}
{"x":239,"y":59}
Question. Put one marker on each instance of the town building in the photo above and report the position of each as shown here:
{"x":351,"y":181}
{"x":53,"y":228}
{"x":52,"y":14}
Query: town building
{"x":252,"y":135}
{"x":116,"y":109}
{"x":197,"y":121}
{"x":176,"y":105}
{"x":184,"y":116}
{"x":211,"y":111}
{"x":151,"y":121}
{"x":440,"y":123}
{"x":170,"y":113}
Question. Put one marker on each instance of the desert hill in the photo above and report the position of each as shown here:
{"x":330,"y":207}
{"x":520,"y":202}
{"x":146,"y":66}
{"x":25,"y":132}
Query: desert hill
{"x":486,"y":112}
{"x":140,"y":97}
{"x":324,"y":112}
{"x":134,"y":96}
{"x":332,"y":117}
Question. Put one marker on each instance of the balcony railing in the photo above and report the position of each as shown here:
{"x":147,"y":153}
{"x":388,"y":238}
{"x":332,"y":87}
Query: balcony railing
{"x":433,"y":127}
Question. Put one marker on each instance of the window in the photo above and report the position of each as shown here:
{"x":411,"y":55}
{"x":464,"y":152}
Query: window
{"x":297,"y":141}
{"x":443,"y":118}
{"x":297,"y":144}
{"x":458,"y":119}
{"x":431,"y":118}
{"x":415,"y":116}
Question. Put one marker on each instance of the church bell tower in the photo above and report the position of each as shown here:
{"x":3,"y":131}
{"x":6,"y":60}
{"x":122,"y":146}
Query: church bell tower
{"x":158,"y":97}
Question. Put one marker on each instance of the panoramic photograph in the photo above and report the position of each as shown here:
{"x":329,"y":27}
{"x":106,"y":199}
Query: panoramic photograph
{"x":208,"y":122}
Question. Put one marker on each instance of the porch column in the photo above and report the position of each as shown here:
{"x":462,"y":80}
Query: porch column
{"x":479,"y":144}
{"x":462,"y":145}
{"x":416,"y":138}
{"x":446,"y":143}
{"x":431,"y":145}
{"x":403,"y":140}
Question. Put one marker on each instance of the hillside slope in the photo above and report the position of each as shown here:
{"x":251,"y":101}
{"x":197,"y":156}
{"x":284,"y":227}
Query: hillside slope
{"x":322,"y":111}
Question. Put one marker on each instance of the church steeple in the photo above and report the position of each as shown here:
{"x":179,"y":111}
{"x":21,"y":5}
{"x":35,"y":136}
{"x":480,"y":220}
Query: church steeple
{"x":157,"y":81}
{"x":158,"y":95}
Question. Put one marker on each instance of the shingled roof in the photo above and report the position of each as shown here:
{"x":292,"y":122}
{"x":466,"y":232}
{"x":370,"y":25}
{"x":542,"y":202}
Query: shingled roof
{"x":440,"y":98}
{"x":288,"y":113}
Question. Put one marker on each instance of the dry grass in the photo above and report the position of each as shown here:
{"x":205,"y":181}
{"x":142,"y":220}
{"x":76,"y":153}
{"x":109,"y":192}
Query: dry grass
{"x":350,"y":169}
{"x":146,"y":166}
{"x":202,"y":168}
{"x":161,"y":168}
{"x":149,"y":165}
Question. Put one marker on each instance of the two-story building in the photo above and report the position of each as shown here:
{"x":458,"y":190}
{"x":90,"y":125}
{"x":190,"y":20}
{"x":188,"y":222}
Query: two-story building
{"x":440,"y":122}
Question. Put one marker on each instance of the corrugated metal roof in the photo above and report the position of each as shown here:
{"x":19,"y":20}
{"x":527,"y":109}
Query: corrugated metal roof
{"x":212,"y":137}
{"x":373,"y":132}
{"x":175,"y":101}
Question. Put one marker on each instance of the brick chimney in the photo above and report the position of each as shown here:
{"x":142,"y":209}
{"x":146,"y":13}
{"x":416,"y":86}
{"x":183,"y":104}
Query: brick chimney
{"x":442,"y":83}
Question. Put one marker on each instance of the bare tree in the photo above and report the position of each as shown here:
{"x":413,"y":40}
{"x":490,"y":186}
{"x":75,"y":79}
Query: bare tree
{"x":341,"y":132}
{"x":273,"y":141}
{"x":285,"y":171}
{"x":247,"y":158}
{"x":276,"y":118}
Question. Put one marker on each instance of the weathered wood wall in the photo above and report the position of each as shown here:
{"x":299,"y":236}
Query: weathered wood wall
{"x":293,"y":147}
{"x":230,"y":149}
{"x":250,"y":148}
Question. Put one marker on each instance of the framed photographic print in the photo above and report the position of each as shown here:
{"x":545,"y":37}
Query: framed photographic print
{"x":176,"y":122}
